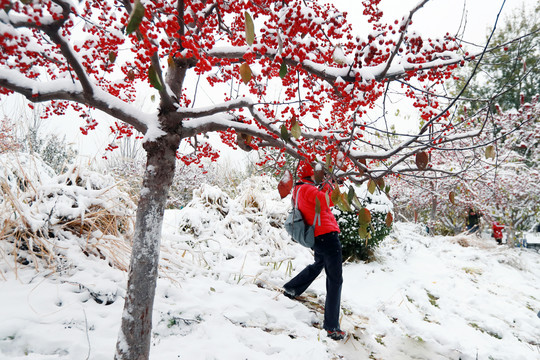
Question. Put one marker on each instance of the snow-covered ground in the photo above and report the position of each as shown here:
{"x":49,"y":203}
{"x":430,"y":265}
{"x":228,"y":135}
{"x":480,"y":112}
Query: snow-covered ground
{"x":223,"y":260}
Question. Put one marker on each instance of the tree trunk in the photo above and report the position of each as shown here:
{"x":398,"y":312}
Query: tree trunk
{"x":433,"y":214}
{"x":136,"y":328}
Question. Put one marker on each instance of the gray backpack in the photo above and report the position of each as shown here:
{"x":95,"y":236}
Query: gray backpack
{"x":298,"y":229}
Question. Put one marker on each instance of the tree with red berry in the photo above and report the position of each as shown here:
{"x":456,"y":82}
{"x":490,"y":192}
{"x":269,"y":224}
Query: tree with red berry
{"x":91,"y":55}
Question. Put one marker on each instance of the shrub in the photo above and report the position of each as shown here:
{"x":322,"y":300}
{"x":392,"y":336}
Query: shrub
{"x":355,"y":247}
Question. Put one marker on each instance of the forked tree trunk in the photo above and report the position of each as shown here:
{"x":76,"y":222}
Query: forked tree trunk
{"x":135,"y":331}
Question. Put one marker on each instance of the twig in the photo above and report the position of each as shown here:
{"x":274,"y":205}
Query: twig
{"x":87,"y":337}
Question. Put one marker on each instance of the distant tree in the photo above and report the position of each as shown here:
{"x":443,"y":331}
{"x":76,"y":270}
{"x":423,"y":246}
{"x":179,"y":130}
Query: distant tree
{"x":501,"y":179}
{"x":8,"y":137}
{"x":511,"y":69}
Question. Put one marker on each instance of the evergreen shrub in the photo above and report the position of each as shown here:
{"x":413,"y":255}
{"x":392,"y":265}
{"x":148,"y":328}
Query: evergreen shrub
{"x":356,"y":248}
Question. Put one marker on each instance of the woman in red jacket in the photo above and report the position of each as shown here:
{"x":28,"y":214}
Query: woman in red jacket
{"x":327,"y":249}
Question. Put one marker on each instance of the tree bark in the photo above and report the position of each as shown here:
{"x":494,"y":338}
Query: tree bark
{"x":135,"y":331}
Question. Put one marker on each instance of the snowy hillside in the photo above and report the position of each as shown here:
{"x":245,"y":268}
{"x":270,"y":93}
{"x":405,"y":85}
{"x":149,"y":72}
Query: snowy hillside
{"x":223,"y":260}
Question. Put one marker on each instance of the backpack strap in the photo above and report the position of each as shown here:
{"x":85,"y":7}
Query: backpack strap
{"x":295,"y":204}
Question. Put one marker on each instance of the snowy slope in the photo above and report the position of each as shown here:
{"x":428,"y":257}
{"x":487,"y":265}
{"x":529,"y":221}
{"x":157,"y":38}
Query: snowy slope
{"x":224,"y":258}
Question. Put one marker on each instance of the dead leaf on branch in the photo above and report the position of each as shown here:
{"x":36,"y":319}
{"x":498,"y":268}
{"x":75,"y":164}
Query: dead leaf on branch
{"x":245,"y":73}
{"x":364,"y":216}
{"x":452,"y":197}
{"x":389,"y":219}
{"x":490,"y":152}
{"x":422,"y":160}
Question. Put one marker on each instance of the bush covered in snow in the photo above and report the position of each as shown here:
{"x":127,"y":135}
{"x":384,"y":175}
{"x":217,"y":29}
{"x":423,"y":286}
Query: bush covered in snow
{"x":187,"y":178}
{"x":214,"y":226}
{"x":45,"y":214}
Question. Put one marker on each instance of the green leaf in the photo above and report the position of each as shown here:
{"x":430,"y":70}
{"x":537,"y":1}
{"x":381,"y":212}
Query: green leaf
{"x":112,"y":57}
{"x":344,"y":204}
{"x":356,"y":202}
{"x":285,"y":133}
{"x":135,"y":18}
{"x":154,"y":79}
{"x":350,"y":194}
{"x":372,"y":186}
{"x":283,"y":70}
{"x":250,"y":29}
{"x":362,"y":231}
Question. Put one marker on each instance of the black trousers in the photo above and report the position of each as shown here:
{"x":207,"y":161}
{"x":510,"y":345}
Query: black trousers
{"x":327,"y":255}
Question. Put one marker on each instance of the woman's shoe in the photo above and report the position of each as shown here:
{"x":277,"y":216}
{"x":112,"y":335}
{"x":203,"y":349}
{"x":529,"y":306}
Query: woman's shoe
{"x":336,"y":334}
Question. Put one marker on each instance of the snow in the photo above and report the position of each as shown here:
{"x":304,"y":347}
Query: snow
{"x":223,"y":258}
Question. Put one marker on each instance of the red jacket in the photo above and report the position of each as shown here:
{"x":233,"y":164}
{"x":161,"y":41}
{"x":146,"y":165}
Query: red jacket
{"x":497,"y":230}
{"x":307,"y":193}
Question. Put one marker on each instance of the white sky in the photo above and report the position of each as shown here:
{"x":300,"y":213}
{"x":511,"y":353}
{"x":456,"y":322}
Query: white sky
{"x":434,"y":19}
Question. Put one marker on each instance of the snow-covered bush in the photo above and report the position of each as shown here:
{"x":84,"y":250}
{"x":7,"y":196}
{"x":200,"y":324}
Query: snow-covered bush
{"x":187,"y":178}
{"x":356,"y":247}
{"x":46,"y":215}
{"x":227,"y":233}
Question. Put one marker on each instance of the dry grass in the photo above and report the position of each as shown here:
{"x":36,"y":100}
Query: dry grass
{"x":31,"y":237}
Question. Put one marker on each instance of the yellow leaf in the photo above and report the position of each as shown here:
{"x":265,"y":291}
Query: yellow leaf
{"x":250,"y":29}
{"x":336,"y":195}
{"x":490,"y":152}
{"x":345,"y":203}
{"x":296,"y":132}
{"x":371,"y":186}
{"x":245,"y":72}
